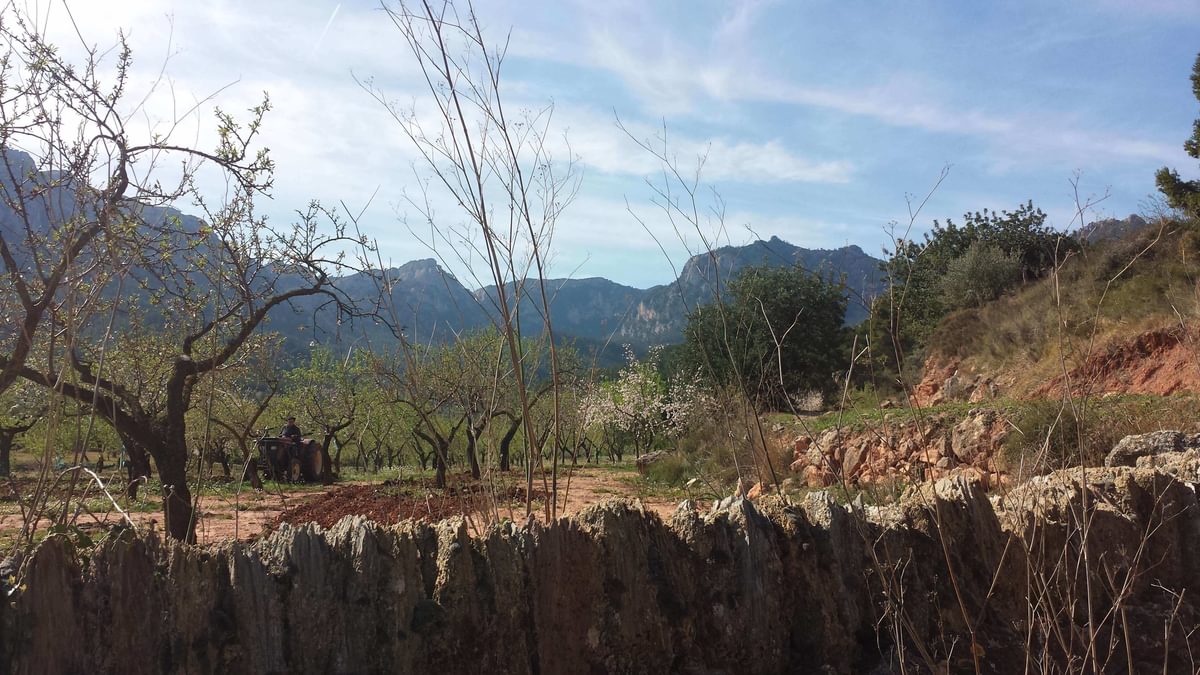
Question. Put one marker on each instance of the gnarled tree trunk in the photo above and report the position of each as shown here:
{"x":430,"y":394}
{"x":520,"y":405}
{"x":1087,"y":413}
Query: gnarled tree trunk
{"x":137,"y":466}
{"x":6,"y":444}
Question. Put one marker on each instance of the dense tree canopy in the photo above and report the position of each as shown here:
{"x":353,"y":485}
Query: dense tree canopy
{"x":960,"y":266}
{"x":779,"y":332}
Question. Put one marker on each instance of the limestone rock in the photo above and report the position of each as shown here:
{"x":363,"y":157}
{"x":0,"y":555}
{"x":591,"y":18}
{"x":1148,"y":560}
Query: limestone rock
{"x":1129,"y":449}
{"x":615,"y":589}
{"x":978,"y":434}
{"x":647,"y":460}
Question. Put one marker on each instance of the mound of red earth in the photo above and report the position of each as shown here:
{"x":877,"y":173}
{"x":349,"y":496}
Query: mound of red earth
{"x":1161,"y":362}
{"x":395,"y":501}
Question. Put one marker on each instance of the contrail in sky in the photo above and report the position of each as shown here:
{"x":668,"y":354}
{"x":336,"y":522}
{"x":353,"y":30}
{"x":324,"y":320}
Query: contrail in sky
{"x":326,"y":28}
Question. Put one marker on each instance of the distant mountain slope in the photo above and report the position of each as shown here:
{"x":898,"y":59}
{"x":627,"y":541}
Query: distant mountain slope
{"x":662,"y":313}
{"x":593,"y":308}
{"x":600,"y":309}
{"x":431,"y":305}
{"x":1110,"y":228}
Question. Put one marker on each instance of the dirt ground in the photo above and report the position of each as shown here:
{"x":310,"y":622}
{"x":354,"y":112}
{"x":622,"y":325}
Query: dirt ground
{"x":495,"y":498}
{"x":248,"y":515}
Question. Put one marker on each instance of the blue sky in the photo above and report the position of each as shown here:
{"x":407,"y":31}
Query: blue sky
{"x":820,"y":119}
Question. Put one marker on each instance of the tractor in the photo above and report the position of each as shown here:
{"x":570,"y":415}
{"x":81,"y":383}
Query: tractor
{"x":294,"y":461}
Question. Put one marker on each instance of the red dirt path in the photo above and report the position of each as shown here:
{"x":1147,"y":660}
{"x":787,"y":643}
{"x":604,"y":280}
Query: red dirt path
{"x":251,"y":513}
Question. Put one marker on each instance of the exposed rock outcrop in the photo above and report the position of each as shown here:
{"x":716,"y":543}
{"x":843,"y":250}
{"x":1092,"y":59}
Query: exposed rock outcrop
{"x":944,"y":381}
{"x":937,"y":446}
{"x":1129,"y":450}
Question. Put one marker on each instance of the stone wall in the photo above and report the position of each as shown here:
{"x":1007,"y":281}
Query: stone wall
{"x":943,"y":582}
{"x":903,"y":451}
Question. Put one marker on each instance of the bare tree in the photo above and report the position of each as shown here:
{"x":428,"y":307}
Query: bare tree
{"x":74,"y":175}
{"x":215,"y":297}
{"x":495,"y":167}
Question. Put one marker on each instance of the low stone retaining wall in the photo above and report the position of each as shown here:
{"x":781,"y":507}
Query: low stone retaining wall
{"x":943,"y":581}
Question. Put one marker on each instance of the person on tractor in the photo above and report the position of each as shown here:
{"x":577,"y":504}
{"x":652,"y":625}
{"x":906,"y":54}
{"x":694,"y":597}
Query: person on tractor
{"x":291,"y":431}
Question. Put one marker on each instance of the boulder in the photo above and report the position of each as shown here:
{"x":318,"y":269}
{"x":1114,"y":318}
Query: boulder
{"x":801,"y":444}
{"x":645,"y":461}
{"x":817,"y":477}
{"x":957,"y":387}
{"x":984,"y":390}
{"x":856,"y":456}
{"x":755,"y":492}
{"x":828,"y":444}
{"x":1127,"y":451}
{"x":977,"y":436}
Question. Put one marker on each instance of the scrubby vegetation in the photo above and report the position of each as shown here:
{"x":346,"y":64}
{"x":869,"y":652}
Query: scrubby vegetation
{"x":958,"y":266}
{"x":148,"y":356}
{"x":1104,"y":293}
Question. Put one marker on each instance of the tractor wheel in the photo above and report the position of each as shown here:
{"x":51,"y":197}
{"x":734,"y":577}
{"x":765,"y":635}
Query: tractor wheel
{"x":294,"y":471}
{"x":314,"y":464}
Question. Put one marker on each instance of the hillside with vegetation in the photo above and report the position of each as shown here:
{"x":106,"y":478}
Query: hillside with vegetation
{"x":231,"y":444}
{"x":1116,"y":317}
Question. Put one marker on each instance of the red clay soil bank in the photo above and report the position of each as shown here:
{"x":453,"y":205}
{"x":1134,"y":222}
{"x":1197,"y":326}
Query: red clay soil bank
{"x":1161,"y":362}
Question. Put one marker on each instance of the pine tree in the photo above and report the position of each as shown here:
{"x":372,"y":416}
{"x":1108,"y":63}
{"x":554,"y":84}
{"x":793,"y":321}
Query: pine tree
{"x":1184,"y":194}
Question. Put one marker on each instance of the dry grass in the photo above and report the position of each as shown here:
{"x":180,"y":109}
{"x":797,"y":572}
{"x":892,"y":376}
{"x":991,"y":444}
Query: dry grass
{"x":1020,"y":333}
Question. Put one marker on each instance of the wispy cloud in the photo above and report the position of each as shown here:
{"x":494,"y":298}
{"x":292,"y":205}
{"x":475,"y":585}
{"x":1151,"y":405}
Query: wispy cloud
{"x":317,"y":45}
{"x":599,"y":143}
{"x":685,"y":77}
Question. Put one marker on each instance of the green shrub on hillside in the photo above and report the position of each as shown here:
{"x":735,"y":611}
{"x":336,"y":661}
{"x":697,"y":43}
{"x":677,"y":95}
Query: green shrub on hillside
{"x":980,"y":275}
{"x":921,"y":295}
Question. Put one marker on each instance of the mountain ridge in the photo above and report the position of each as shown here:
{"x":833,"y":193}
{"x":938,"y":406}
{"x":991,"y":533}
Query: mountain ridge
{"x":429,"y":304}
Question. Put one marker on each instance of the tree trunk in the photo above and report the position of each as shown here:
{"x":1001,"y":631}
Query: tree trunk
{"x":6,"y":443}
{"x":177,"y":499}
{"x":330,"y":472}
{"x":137,"y":468}
{"x":472,"y":459}
{"x":439,"y":477}
{"x":506,"y":444}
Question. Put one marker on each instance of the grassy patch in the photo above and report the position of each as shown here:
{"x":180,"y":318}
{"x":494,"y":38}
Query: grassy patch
{"x":646,"y":486}
{"x":1050,"y":435}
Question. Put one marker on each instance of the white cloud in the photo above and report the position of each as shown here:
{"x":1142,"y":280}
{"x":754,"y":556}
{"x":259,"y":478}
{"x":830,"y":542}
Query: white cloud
{"x":708,"y":77}
{"x":599,"y":143}
{"x":683,"y":76}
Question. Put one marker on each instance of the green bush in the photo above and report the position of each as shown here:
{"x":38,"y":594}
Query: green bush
{"x":674,"y":469}
{"x":980,"y":275}
{"x":736,"y":343}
